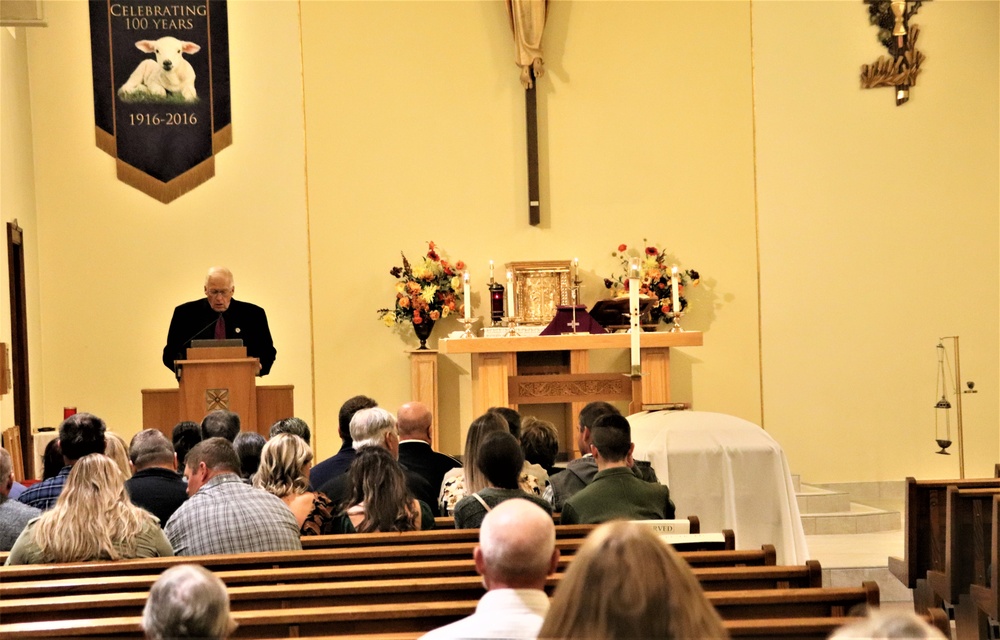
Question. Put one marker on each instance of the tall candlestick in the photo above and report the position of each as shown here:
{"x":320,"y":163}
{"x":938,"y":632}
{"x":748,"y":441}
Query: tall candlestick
{"x":676,"y":294}
{"x":510,"y":294}
{"x":465,"y":297}
{"x":633,"y":309}
{"x":491,"y":271}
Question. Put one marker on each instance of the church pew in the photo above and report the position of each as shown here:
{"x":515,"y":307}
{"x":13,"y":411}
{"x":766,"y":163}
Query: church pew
{"x":330,"y":557}
{"x":718,"y":570}
{"x":967,"y":539}
{"x":123,"y":601}
{"x":432,"y":535}
{"x":925,"y":535}
{"x":985,"y":597}
{"x":266,"y":615}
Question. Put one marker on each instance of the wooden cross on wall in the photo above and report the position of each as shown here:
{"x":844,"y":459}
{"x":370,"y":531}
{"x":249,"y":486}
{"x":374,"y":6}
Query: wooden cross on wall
{"x":527,"y":21}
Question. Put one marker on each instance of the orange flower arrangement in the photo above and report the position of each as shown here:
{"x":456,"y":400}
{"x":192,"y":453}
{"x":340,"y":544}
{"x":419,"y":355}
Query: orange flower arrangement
{"x":429,"y":290}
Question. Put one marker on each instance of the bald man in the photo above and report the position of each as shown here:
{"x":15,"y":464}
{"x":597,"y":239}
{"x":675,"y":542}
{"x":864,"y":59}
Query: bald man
{"x":515,"y":556}
{"x":219,"y":316}
{"x":415,"y":453}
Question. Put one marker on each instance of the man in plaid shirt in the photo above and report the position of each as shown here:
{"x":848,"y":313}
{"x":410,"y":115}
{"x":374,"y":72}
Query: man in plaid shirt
{"x":79,"y":435}
{"x":225,"y":515}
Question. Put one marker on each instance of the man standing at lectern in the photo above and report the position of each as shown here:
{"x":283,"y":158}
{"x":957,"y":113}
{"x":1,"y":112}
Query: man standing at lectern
{"x":218,"y":316}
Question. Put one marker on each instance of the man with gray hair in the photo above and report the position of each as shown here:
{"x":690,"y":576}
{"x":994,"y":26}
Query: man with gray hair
{"x":187,"y":601}
{"x":155,"y":484}
{"x":376,"y":427}
{"x":515,"y":556}
{"x":13,"y":514}
{"x":218,"y":316}
{"x":220,"y":424}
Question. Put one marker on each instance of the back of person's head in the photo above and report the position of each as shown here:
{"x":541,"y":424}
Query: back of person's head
{"x":369,"y":427}
{"x":115,"y":448}
{"x":220,"y":424}
{"x":52,"y":460}
{"x":347,"y":411}
{"x":93,"y":518}
{"x":888,"y":625}
{"x":150,"y":448}
{"x":187,"y":601}
{"x":500,"y":460}
{"x":6,"y":473}
{"x":218,"y":455}
{"x":539,"y":441}
{"x":185,"y":436}
{"x":414,"y":420}
{"x":81,"y":434}
{"x":283,"y":463}
{"x":376,"y":479}
{"x":293,"y":425}
{"x":489,"y":422}
{"x":517,"y":545}
{"x":624,"y":582}
{"x":612,"y":435}
{"x":248,"y":445}
{"x":512,"y":417}
{"x":594,"y":410}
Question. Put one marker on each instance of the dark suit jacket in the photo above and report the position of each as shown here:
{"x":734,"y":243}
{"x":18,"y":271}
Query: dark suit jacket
{"x":617,"y":493}
{"x":158,"y":491}
{"x":195,"y":320}
{"x":418,"y":457}
{"x":332,"y":467}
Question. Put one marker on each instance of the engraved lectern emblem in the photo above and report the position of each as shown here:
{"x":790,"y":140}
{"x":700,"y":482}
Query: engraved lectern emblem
{"x":216,"y":399}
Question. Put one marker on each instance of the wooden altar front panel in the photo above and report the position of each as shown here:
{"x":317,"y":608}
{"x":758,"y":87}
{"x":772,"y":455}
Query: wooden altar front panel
{"x":494,"y":363}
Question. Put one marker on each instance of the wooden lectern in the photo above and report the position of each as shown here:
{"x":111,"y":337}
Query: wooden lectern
{"x":217,"y":378}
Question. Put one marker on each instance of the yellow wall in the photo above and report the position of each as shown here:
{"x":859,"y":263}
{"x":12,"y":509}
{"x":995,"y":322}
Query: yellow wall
{"x":879,"y":229}
{"x":17,"y":201}
{"x":718,"y":129}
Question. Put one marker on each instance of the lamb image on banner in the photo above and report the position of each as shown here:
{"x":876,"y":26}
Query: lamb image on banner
{"x":161,"y":90}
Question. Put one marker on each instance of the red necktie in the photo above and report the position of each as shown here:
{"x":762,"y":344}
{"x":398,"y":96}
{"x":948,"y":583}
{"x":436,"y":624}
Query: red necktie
{"x":220,"y":328}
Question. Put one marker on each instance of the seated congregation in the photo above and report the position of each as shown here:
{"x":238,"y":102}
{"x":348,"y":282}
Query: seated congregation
{"x":240,"y":496}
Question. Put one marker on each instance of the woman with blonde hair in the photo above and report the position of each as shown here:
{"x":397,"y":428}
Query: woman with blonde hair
{"x":116,"y":449}
{"x":625,"y":582}
{"x":284,"y":468}
{"x":93,"y":519}
{"x":469,"y":479}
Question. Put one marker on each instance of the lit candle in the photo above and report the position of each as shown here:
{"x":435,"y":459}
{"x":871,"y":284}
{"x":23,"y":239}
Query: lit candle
{"x":465,"y":297}
{"x":510,"y":294}
{"x":576,"y":271}
{"x":676,"y":294}
{"x":633,"y":309}
{"x":491,"y":271}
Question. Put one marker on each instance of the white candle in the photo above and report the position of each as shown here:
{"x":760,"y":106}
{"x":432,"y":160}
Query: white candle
{"x":674,"y":290}
{"x":465,"y":297}
{"x":633,"y":309}
{"x":491,"y":271}
{"x":510,"y":294}
{"x":576,"y":270}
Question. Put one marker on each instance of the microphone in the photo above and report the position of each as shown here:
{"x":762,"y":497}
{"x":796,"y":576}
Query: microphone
{"x":184,"y":344}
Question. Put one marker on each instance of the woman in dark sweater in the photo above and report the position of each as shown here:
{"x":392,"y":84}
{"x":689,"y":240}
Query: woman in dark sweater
{"x":500,"y":460}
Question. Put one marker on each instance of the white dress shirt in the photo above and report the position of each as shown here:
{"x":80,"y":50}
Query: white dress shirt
{"x":501,"y":613}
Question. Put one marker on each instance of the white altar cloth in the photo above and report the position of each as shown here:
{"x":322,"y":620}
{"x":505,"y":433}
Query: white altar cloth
{"x":728,"y":472}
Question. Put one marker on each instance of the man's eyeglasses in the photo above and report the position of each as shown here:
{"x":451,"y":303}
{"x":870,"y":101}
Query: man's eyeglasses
{"x":214,"y":293}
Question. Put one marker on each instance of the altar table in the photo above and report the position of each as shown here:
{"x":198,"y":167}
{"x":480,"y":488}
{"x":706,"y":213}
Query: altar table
{"x":727,"y":471}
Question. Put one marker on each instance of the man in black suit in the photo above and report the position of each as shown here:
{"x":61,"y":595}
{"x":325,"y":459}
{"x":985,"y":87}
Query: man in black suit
{"x":415,"y":452}
{"x":219,"y":316}
{"x":155,"y":484}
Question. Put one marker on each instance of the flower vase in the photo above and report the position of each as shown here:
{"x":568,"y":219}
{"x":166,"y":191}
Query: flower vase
{"x":423,"y":331}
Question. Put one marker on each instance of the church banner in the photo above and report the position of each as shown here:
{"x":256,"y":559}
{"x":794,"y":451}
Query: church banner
{"x":161,"y":90}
